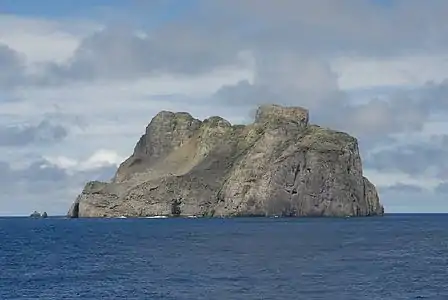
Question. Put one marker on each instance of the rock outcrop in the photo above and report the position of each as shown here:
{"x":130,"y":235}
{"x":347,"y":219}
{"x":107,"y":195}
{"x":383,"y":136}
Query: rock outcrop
{"x":37,"y":214}
{"x":280,"y":165}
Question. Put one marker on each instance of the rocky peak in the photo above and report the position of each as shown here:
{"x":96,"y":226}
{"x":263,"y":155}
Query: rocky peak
{"x":276,"y":114}
{"x":166,"y":131}
{"x":216,"y":121}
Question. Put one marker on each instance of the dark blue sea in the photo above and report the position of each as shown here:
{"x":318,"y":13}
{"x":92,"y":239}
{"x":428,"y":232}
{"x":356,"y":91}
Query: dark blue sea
{"x":391,"y":257}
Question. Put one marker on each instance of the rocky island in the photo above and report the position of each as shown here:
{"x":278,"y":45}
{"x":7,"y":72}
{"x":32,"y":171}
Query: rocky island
{"x":37,"y":214}
{"x":280,"y":165}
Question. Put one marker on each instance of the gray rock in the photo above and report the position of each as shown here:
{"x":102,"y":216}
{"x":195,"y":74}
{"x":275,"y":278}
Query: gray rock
{"x":35,"y":214}
{"x":277,"y":166}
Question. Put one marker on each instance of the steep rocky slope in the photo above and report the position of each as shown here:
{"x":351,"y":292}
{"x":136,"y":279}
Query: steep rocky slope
{"x":278,"y":165}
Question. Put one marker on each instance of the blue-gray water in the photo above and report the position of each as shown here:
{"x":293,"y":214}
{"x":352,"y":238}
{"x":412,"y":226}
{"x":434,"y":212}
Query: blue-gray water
{"x":394,"y":257}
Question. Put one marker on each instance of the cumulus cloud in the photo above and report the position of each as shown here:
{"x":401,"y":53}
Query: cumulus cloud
{"x":418,"y":160}
{"x":284,"y":79}
{"x":325,"y":27}
{"x":101,"y":165}
{"x":99,"y":159}
{"x":12,"y":67}
{"x":122,"y":53}
{"x":46,"y":186}
{"x":402,"y":188}
{"x":314,"y":85}
{"x":29,"y":45}
{"x":43,"y":40}
{"x":216,"y":34}
{"x":442,"y":188}
{"x":408,"y":70}
{"x":23,"y":135}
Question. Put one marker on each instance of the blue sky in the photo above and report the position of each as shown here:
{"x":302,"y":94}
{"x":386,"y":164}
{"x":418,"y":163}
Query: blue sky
{"x":98,"y":71}
{"x":58,"y":9}
{"x":70,"y":8}
{"x":144,"y":13}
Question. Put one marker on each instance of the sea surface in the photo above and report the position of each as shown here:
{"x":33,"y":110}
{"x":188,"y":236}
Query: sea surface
{"x":391,"y":257}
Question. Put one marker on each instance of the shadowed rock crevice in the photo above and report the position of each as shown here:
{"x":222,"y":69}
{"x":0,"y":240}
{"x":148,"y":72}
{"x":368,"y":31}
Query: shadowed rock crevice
{"x":176,"y":207}
{"x":277,"y":166}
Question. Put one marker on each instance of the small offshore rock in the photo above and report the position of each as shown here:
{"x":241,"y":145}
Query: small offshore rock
{"x":35,"y":214}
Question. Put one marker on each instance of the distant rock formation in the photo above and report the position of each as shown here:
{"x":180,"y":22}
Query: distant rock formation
{"x":44,"y":215}
{"x":280,"y":165}
{"x":35,"y":214}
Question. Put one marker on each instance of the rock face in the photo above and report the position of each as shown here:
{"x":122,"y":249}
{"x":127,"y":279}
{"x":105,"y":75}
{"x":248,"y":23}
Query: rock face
{"x":279,"y":165}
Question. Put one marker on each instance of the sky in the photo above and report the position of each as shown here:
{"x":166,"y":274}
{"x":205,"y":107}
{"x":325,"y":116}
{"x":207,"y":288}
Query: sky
{"x":80,"y":80}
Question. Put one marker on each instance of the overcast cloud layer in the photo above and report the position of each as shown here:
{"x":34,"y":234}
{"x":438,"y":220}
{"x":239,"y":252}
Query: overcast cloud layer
{"x":76,"y":91}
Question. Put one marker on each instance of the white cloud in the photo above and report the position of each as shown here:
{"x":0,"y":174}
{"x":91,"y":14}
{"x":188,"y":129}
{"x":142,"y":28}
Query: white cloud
{"x":42,"y":185}
{"x":402,"y":71}
{"x":43,"y":40}
{"x":101,"y":158}
{"x":388,"y":179}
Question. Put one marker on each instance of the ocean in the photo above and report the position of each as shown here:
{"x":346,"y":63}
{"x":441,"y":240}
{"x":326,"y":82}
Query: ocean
{"x":390,"y":257}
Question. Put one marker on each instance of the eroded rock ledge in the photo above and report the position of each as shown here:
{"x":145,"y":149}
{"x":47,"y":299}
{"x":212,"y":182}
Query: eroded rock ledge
{"x":279,"y":165}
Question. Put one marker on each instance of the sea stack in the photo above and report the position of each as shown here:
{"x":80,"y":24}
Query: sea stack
{"x":280,"y":165}
{"x":39,"y":215}
{"x":35,"y":214}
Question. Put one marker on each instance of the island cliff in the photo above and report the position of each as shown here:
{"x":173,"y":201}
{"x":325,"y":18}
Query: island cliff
{"x":279,"y":165}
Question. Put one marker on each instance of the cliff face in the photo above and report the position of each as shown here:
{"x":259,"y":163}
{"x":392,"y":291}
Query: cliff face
{"x":279,"y":165}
